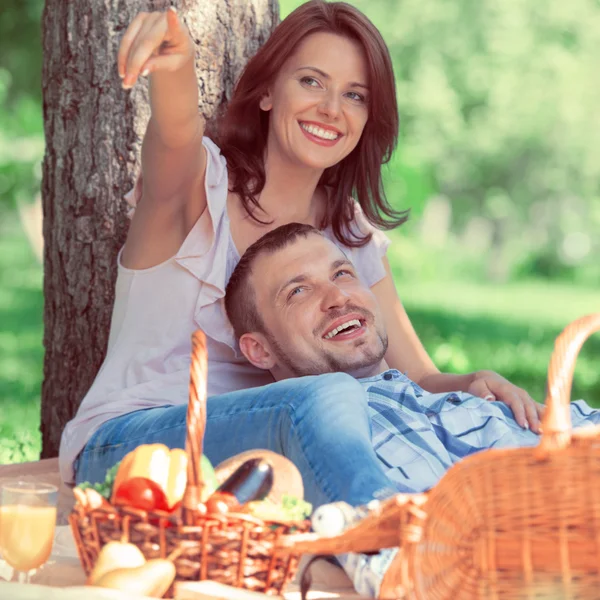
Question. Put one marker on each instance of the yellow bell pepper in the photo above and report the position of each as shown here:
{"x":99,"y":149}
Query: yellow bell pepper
{"x":167,"y":468}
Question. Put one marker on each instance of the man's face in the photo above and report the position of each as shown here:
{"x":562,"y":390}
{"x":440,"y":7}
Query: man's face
{"x":317,"y":314}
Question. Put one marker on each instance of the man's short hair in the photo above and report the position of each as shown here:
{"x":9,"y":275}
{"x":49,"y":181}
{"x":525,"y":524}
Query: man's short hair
{"x":240,"y":299}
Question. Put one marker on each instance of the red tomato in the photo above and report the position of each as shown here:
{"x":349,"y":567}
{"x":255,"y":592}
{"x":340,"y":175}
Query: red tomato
{"x":221,"y":503}
{"x":141,"y":493}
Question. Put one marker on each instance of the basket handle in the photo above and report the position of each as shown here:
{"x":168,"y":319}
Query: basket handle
{"x":556,"y":424}
{"x":196,"y":425}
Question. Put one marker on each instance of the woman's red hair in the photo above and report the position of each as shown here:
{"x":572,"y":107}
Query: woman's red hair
{"x":243,"y":130}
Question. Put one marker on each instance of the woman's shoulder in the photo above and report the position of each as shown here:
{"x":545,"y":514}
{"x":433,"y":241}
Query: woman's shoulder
{"x":211,"y":230}
{"x":216,"y":164}
{"x":367,"y":258}
{"x":359,"y":227}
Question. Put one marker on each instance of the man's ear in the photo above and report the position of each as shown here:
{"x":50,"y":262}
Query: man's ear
{"x":256,"y":349}
{"x":266,"y":103}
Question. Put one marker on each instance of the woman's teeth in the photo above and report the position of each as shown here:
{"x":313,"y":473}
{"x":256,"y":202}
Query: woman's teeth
{"x":319,"y":132}
{"x":334,"y":332}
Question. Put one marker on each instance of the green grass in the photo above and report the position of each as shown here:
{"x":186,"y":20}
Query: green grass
{"x":510,"y":329}
{"x":465,"y":326}
{"x":21,"y":350}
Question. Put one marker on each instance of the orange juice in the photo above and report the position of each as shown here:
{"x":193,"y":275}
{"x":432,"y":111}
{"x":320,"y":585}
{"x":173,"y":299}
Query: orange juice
{"x":26,"y":535}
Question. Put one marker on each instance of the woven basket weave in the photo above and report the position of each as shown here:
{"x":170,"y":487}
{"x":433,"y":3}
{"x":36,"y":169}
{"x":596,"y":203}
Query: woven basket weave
{"x":513,"y":524}
{"x":235,"y":549}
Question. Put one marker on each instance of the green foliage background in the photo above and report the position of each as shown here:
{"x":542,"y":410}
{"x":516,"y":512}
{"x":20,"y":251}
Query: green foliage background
{"x":499,"y":162}
{"x":21,"y":137}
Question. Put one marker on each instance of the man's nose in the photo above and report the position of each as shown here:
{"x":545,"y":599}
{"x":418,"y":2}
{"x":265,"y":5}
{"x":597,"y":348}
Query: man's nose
{"x":334,"y":297}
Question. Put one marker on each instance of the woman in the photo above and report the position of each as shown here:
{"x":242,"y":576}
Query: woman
{"x":312,"y":120}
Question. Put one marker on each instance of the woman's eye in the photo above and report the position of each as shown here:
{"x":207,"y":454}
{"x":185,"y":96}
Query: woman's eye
{"x":356,"y":96}
{"x":311,"y":81}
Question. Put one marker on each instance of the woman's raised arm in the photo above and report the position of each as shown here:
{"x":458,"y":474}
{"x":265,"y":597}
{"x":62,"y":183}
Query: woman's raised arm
{"x":158,"y":45}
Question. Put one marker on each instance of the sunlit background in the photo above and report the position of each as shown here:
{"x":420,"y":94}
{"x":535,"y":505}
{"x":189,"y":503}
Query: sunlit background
{"x":499,"y":162}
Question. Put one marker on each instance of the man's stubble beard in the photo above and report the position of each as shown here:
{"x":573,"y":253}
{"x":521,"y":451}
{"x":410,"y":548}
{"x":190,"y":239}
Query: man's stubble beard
{"x":330,"y":364}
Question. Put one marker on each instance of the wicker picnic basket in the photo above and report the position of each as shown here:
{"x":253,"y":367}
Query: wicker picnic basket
{"x":236,"y":549}
{"x":520,"y":523}
{"x":502,"y":524}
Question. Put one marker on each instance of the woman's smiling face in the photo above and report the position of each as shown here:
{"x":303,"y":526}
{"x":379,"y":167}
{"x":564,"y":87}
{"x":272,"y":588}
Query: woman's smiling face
{"x":319,"y":102}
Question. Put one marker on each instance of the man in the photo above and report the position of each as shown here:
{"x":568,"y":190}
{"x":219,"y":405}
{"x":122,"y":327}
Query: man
{"x":298,"y":308}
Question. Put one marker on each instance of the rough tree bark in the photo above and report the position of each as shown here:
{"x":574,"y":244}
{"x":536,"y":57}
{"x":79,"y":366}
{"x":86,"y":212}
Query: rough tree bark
{"x":93,"y":132}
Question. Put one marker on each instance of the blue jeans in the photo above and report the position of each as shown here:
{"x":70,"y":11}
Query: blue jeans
{"x":320,"y":423}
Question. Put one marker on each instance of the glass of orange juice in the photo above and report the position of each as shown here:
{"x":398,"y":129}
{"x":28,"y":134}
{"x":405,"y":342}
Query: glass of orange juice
{"x":27,"y":523}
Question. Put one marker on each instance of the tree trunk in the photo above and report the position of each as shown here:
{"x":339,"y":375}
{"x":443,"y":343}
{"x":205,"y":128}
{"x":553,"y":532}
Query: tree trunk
{"x":93,"y":132}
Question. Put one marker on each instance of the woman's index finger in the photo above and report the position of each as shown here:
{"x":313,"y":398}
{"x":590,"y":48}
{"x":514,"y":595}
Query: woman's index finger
{"x":173,"y":23}
{"x":145,"y":44}
{"x":125,"y":46}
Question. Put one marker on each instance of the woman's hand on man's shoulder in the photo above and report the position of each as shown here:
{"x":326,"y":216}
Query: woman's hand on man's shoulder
{"x":491,"y":386}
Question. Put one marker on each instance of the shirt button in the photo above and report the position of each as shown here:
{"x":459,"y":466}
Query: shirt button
{"x":388,"y":376}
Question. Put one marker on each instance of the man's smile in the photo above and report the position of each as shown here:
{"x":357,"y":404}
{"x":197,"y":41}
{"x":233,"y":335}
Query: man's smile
{"x":348,"y":327}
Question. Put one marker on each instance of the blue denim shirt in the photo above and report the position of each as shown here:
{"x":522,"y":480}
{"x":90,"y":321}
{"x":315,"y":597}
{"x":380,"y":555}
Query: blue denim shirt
{"x":418,"y":435}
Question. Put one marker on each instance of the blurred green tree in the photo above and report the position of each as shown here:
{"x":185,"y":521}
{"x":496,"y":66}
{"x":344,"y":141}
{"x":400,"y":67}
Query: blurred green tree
{"x":20,"y":48}
{"x":21,"y":143}
{"x":500,"y":108}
